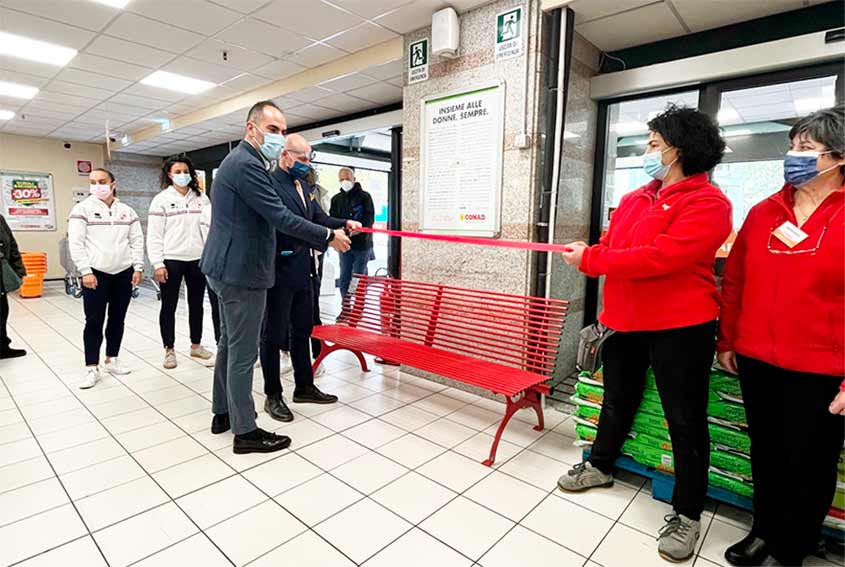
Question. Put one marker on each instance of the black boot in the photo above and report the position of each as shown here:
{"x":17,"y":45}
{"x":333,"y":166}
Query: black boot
{"x":259,"y":441}
{"x":220,"y":423}
{"x":312,"y":395}
{"x":750,"y":552}
{"x":277,"y":408}
{"x":12,"y":352}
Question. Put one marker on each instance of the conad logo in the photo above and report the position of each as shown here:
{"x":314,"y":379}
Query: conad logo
{"x":473,"y":217}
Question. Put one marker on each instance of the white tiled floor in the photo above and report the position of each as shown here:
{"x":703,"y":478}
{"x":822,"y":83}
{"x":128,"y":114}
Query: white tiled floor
{"x":127,"y":473}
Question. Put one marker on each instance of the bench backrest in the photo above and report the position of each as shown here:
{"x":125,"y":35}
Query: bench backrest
{"x":518,"y":331}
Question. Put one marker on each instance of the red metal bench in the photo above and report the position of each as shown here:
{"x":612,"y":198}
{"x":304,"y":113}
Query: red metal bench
{"x":506,"y":344}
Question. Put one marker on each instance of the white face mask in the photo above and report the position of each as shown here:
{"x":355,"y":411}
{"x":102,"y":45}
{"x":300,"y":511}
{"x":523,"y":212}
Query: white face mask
{"x":347,"y":185}
{"x":101,"y":192}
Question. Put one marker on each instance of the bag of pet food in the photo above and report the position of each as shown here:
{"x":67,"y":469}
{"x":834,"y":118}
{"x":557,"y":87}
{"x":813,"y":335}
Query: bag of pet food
{"x":730,"y":437}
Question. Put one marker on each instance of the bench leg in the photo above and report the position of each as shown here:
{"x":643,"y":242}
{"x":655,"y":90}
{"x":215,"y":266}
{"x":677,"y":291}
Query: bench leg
{"x":530,"y":398}
{"x":326,"y":349}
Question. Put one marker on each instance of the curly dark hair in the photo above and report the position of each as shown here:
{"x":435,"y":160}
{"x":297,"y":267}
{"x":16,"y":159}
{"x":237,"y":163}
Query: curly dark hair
{"x":694,"y":134}
{"x":166,"y":182}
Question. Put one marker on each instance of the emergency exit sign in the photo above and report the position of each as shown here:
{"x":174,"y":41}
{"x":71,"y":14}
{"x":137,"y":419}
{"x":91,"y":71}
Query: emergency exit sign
{"x":418,"y":61}
{"x":509,"y":34}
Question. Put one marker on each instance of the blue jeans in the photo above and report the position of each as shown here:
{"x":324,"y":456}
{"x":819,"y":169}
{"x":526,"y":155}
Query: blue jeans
{"x":352,"y":262}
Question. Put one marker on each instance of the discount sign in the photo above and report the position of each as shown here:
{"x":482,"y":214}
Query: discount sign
{"x":28,"y":201}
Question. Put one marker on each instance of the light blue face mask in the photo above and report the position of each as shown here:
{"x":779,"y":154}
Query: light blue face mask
{"x":181,"y":179}
{"x":653,"y":164}
{"x":272,"y":146}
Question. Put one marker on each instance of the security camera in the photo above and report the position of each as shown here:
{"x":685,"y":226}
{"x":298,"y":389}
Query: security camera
{"x":112,"y":139}
{"x":225,"y":55}
{"x":67,"y":145}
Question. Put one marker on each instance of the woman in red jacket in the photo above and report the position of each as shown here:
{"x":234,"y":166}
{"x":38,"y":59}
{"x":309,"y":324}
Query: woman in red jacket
{"x":783,"y":329}
{"x":660,"y":298}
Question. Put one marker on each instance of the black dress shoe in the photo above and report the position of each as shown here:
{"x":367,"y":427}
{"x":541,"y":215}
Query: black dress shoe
{"x":220,"y":423}
{"x":259,"y":441}
{"x":312,"y":395}
{"x":750,"y":552}
{"x":277,"y":408}
{"x":12,"y":353}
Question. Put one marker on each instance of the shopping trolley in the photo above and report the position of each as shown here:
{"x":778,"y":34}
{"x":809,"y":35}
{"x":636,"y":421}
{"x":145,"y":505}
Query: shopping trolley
{"x":73,"y":279}
{"x":148,"y":269}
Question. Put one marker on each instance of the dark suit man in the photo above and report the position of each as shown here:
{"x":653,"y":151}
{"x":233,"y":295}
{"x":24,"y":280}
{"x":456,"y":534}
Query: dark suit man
{"x":290,"y":303}
{"x":238,"y":260}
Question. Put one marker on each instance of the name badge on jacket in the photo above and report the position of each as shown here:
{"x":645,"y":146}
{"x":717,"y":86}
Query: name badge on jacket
{"x":790,"y":234}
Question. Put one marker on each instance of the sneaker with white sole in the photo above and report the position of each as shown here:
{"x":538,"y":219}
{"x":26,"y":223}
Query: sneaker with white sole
{"x":584,"y":476}
{"x":115,"y":367}
{"x":201,"y":353}
{"x":677,"y":539}
{"x":91,"y":378}
{"x":285,"y":364}
{"x":169,"y":360}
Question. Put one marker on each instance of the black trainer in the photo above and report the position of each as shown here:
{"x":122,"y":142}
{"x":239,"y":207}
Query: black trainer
{"x":220,"y":423}
{"x":277,"y":408}
{"x":750,"y":552}
{"x":12,"y":353}
{"x":259,"y":441}
{"x":312,"y":395}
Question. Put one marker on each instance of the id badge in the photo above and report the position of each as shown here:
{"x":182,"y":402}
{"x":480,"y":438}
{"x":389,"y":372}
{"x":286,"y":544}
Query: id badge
{"x":790,"y":234}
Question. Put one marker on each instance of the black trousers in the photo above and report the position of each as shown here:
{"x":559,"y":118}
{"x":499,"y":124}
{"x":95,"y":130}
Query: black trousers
{"x":5,"y":341}
{"x":215,"y":312}
{"x":795,"y":445}
{"x":177,"y":271}
{"x":112,"y":296}
{"x":288,"y":322}
{"x":681,"y":360}
{"x":316,"y":347}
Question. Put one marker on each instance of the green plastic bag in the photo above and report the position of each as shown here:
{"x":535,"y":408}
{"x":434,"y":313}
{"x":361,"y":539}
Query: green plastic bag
{"x":651,"y":441}
{"x":588,"y":413}
{"x":589,"y":392}
{"x":730,"y":412}
{"x":731,"y":484}
{"x":732,"y":463}
{"x":725,"y":384}
{"x":649,"y":456}
{"x":586,"y":433}
{"x":728,"y":437}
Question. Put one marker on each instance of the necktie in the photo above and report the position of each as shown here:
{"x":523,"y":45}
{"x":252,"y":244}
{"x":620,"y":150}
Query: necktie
{"x":298,"y":186}
{"x":301,"y":193}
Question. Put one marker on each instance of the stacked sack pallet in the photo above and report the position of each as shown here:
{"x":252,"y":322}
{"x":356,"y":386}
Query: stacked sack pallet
{"x":33,"y":282}
{"x":650,"y":445}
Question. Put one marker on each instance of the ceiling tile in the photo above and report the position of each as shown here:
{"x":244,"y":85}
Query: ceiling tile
{"x":66,"y":99}
{"x":81,"y":13}
{"x":80,"y":90}
{"x":279,"y":70}
{"x":700,"y":16}
{"x":23,"y":78}
{"x":586,"y":10}
{"x":197,"y":69}
{"x":50,"y":108}
{"x":187,"y":14}
{"x":27,"y":130}
{"x":167,"y":96}
{"x":139,"y":103}
{"x":97,"y":116}
{"x":130,"y":52}
{"x":345,"y":104}
{"x":295,"y":120}
{"x":245,"y":82}
{"x":211,"y":51}
{"x":263,"y":37}
{"x":245,"y":6}
{"x":315,"y":19}
{"x":149,"y":32}
{"x":380,"y":93}
{"x":361,"y":37}
{"x":18,"y":65}
{"x":348,"y":82}
{"x":43,"y":114}
{"x":35,"y":27}
{"x":315,"y":55}
{"x":387,"y":70}
{"x":309,"y":111}
{"x":635,"y":27}
{"x":90,"y":79}
{"x":109,"y":67}
{"x":411,"y":17}
{"x":397,"y":81}
{"x":124,"y":109}
{"x":310,"y":94}
{"x":369,"y":9}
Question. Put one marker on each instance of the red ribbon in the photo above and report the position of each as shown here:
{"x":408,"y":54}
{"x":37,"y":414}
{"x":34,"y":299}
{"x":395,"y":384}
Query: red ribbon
{"x":537,"y":246}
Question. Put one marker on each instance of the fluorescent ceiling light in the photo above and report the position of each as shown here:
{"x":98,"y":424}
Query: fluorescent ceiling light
{"x":15,"y":90}
{"x":174,"y":82}
{"x":119,"y":4}
{"x":569,"y":135}
{"x":34,"y":50}
{"x":727,"y":115}
{"x":808,"y":105}
{"x":629,"y":127}
{"x":739,"y":132}
{"x":6,"y":114}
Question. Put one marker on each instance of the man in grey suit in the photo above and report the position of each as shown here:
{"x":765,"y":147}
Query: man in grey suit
{"x":239,"y":261}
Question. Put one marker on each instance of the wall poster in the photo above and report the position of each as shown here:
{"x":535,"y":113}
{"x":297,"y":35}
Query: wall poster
{"x":29,"y":203}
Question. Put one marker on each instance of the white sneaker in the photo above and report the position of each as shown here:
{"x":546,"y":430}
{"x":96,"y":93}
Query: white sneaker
{"x":115,"y":367}
{"x":169,"y":360}
{"x":286,"y":365}
{"x":201,"y":353}
{"x":91,"y":378}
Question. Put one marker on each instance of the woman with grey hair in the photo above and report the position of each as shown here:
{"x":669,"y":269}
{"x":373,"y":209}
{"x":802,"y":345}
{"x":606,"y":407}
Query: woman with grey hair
{"x":782,"y":329}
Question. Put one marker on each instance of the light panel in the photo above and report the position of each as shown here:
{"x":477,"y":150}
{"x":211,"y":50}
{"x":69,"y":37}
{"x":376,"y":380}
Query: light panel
{"x":34,"y":50}
{"x":178,"y":83}
{"x":119,"y":4}
{"x":6,"y":114}
{"x":14,"y":90}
